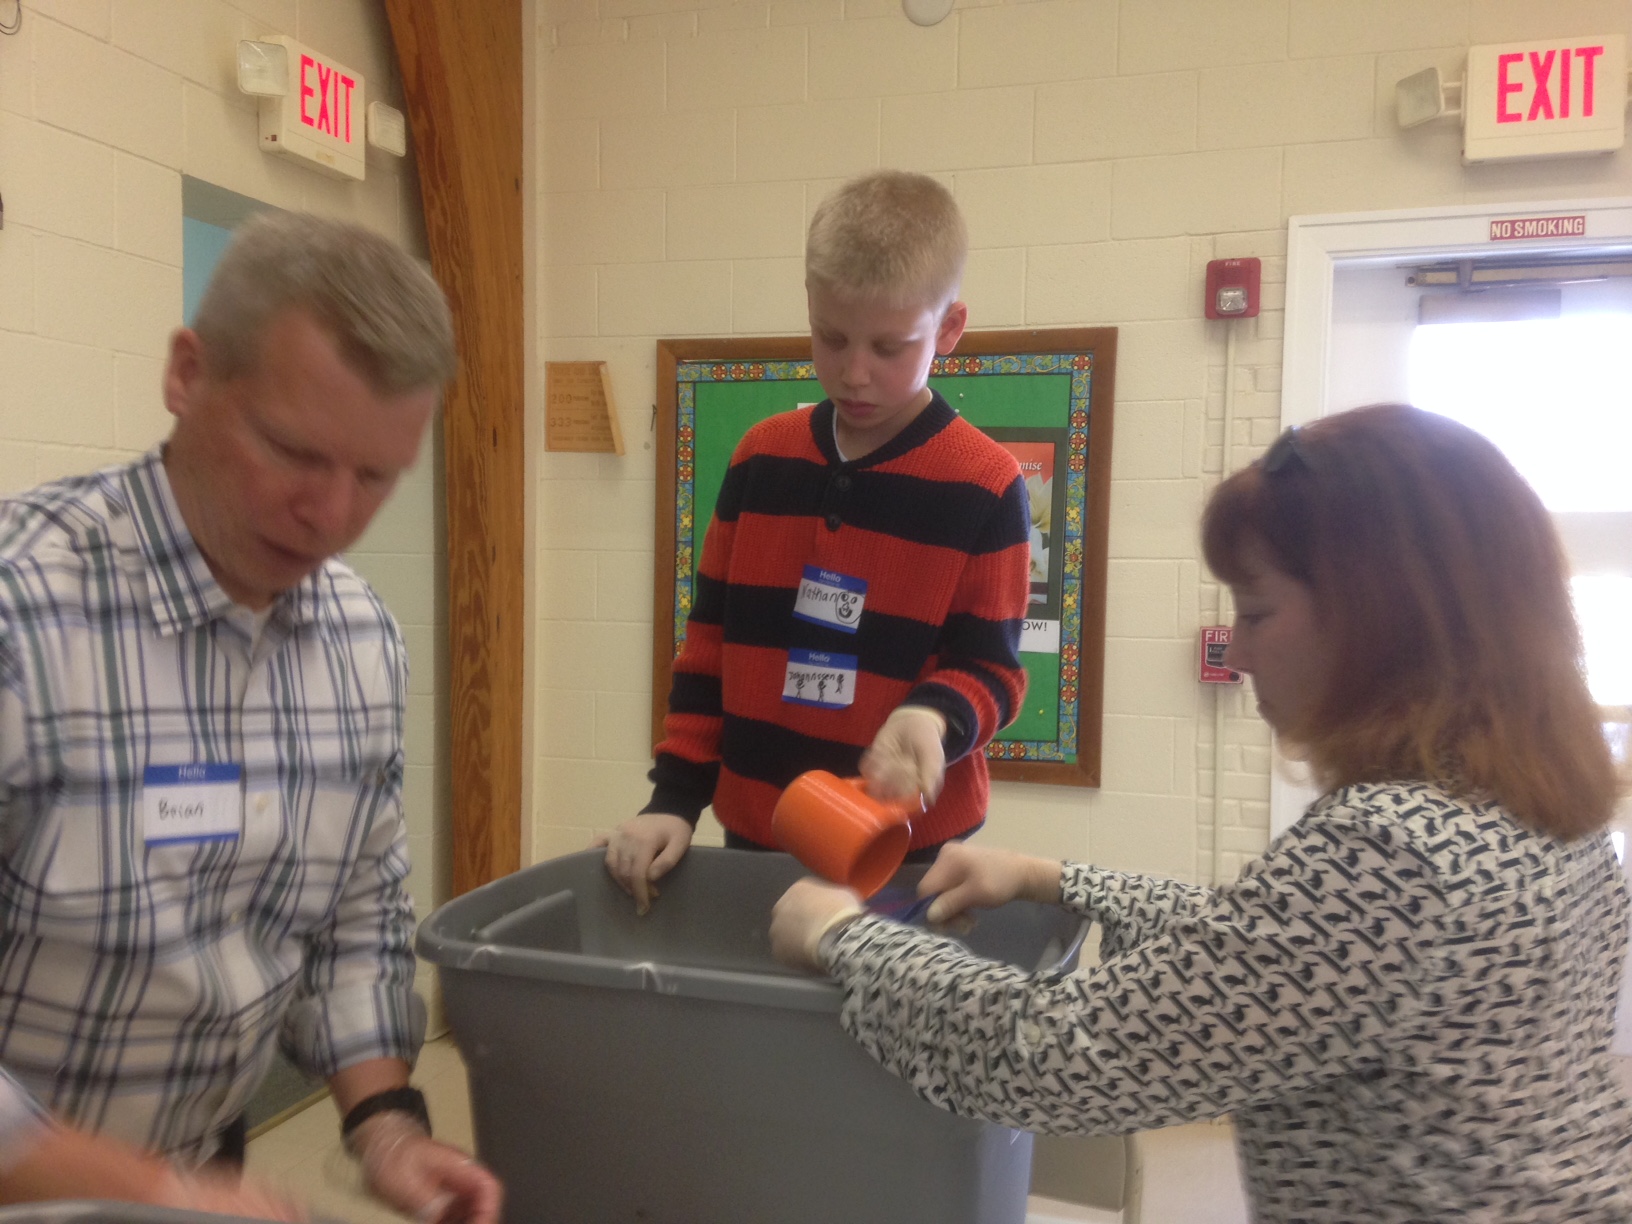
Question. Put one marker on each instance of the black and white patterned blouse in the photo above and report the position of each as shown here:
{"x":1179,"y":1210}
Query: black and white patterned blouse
{"x":1406,"y":1004}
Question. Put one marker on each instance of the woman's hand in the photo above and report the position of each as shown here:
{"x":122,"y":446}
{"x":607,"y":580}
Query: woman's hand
{"x":981,"y":877}
{"x":228,"y":1195}
{"x":806,"y":912}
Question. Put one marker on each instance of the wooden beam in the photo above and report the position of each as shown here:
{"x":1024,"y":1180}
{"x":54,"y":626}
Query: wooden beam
{"x":462,"y":74}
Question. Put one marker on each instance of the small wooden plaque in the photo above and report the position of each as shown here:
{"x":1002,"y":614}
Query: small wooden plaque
{"x":579,"y":411}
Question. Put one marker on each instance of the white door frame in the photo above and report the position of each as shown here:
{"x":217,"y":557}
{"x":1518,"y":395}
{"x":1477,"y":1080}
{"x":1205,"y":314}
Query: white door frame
{"x":1317,"y":246}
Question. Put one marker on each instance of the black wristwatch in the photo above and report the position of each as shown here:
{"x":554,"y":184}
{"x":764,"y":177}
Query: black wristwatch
{"x":406,"y":1100}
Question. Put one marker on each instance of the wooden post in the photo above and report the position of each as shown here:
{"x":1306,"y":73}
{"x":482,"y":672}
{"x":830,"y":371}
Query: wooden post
{"x":461,"y":68}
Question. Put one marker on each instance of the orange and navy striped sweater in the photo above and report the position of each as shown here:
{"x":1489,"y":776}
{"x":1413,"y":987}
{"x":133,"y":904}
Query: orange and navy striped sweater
{"x":935,"y":523}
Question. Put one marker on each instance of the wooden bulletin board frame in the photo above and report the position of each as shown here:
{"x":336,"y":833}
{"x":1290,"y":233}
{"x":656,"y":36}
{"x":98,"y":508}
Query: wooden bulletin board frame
{"x":1039,"y":388}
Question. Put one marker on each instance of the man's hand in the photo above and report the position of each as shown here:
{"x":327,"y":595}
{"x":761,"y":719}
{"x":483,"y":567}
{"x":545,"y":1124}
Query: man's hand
{"x":72,"y":1164}
{"x":978,"y":876}
{"x":225,"y":1194}
{"x":806,"y":912}
{"x":908,"y":755}
{"x":640,"y":851}
{"x":429,"y":1181}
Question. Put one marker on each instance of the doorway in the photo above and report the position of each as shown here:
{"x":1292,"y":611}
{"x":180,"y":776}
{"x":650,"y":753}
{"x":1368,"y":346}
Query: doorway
{"x":1525,"y":342}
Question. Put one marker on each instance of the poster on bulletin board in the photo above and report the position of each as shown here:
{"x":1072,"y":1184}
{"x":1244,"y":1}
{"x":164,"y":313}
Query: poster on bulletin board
{"x":1044,"y":395}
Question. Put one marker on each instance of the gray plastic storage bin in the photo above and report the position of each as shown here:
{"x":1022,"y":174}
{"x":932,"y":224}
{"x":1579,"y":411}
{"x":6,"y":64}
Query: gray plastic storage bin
{"x":665,"y":1070}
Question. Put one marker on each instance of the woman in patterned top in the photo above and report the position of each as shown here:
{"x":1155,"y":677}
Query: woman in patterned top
{"x":1407,"y":1002}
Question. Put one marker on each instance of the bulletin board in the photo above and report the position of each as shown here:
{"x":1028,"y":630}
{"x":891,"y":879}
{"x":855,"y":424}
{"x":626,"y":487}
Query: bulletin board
{"x":1045,"y":395}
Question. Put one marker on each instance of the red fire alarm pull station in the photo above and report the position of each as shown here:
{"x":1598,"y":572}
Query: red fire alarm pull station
{"x":1214,"y":640}
{"x":1232,"y":288}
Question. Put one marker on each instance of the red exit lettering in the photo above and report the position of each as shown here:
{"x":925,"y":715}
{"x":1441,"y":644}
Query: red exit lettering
{"x":333,"y":92}
{"x":1550,"y":76}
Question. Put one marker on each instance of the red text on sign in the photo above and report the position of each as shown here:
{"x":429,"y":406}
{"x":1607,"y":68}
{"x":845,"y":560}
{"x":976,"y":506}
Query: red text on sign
{"x":333,"y":93}
{"x":1551,"y":82}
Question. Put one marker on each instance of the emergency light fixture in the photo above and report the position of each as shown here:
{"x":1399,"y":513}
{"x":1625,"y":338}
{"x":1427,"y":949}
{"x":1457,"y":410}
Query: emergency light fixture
{"x":1550,"y":97}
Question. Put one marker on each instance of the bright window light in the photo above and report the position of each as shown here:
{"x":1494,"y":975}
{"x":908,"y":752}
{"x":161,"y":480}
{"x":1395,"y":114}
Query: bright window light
{"x":1553,"y":394}
{"x":1619,"y":735}
{"x":1603,"y":608}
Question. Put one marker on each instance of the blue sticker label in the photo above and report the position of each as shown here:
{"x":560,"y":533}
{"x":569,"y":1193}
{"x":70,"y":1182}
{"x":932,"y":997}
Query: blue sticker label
{"x":192,"y":803}
{"x":827,"y":597}
{"x":190,"y":775}
{"x":820,"y":678}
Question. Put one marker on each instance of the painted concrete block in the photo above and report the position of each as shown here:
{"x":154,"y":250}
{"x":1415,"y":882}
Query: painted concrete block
{"x":1196,"y":193}
{"x":832,"y":139}
{"x":1027,"y":44}
{"x":957,"y":131}
{"x":736,"y":221}
{"x":1029,"y":206}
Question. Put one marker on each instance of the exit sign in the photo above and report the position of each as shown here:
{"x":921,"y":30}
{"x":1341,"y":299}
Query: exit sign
{"x":319,"y":118}
{"x":1548,"y":98}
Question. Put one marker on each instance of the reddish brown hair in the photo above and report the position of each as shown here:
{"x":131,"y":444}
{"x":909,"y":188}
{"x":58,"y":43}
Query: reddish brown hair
{"x":1438,"y":576}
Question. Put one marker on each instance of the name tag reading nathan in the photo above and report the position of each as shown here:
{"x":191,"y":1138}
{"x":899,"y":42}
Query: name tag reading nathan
{"x":829,"y":598}
{"x":820,"y":678}
{"x":183,"y":803}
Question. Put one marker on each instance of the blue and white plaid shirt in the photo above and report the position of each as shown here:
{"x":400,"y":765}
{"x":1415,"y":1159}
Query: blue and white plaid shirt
{"x":143,"y":987}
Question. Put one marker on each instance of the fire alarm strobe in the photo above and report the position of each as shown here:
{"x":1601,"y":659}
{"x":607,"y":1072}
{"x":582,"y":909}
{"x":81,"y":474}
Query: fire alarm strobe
{"x":1232,"y":288}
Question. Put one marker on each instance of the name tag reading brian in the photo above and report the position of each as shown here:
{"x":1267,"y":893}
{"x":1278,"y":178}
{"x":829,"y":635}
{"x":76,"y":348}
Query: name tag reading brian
{"x":829,"y":598}
{"x":192,"y":803}
{"x":820,"y":678}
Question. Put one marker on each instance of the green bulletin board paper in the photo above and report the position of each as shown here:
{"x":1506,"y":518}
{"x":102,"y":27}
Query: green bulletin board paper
{"x":726,"y":411}
{"x":1039,"y":400}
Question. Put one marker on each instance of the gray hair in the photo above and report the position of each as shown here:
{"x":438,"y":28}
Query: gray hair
{"x":891,"y":236}
{"x":385,"y":312}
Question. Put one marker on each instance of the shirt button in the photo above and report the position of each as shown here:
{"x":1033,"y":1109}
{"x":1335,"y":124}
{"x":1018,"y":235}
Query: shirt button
{"x":834,"y":522}
{"x":1032,"y":1032}
{"x":260,"y":804}
{"x":842,"y":482}
{"x":236,"y":918}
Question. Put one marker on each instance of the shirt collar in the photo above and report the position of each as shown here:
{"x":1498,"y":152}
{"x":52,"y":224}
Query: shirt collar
{"x":931,"y":419}
{"x":181,"y":589}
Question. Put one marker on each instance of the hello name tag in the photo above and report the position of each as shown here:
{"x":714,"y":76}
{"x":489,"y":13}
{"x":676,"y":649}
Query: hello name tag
{"x":830,"y":598}
{"x":192,"y":803}
{"x":820,"y":678}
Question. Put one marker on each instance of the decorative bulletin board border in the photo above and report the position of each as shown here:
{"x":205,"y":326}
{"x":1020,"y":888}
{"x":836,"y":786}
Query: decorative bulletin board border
{"x":1047,"y":395}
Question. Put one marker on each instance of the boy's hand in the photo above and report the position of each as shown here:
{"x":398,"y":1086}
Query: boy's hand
{"x":641,"y":851}
{"x":908,"y":756}
{"x":982,"y":877}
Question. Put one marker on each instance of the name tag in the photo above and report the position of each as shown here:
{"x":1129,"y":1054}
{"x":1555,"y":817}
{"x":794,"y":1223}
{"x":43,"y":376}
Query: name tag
{"x":820,"y":678}
{"x":829,"y":598}
{"x":191,"y":803}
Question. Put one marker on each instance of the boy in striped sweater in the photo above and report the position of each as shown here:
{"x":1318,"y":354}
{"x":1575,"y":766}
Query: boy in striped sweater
{"x":864,"y":579}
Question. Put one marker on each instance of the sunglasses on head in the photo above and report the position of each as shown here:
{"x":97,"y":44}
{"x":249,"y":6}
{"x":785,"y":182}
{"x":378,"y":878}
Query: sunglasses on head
{"x":1285,"y":451}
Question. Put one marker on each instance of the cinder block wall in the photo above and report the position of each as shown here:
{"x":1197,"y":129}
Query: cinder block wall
{"x":1103,"y":152}
{"x":104,"y":105}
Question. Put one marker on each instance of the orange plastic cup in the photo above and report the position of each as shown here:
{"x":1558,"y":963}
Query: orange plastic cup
{"x":834,"y":827}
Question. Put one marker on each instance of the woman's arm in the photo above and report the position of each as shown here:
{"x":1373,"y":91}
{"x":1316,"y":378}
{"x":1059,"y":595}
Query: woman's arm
{"x":1297,"y":974}
{"x":1130,"y":909}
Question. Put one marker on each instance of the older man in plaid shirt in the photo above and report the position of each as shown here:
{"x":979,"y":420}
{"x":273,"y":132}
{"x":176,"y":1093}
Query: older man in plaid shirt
{"x":202,"y":849}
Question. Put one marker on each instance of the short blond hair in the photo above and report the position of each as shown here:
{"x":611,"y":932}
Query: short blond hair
{"x":384,"y":311}
{"x":888,"y":236}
